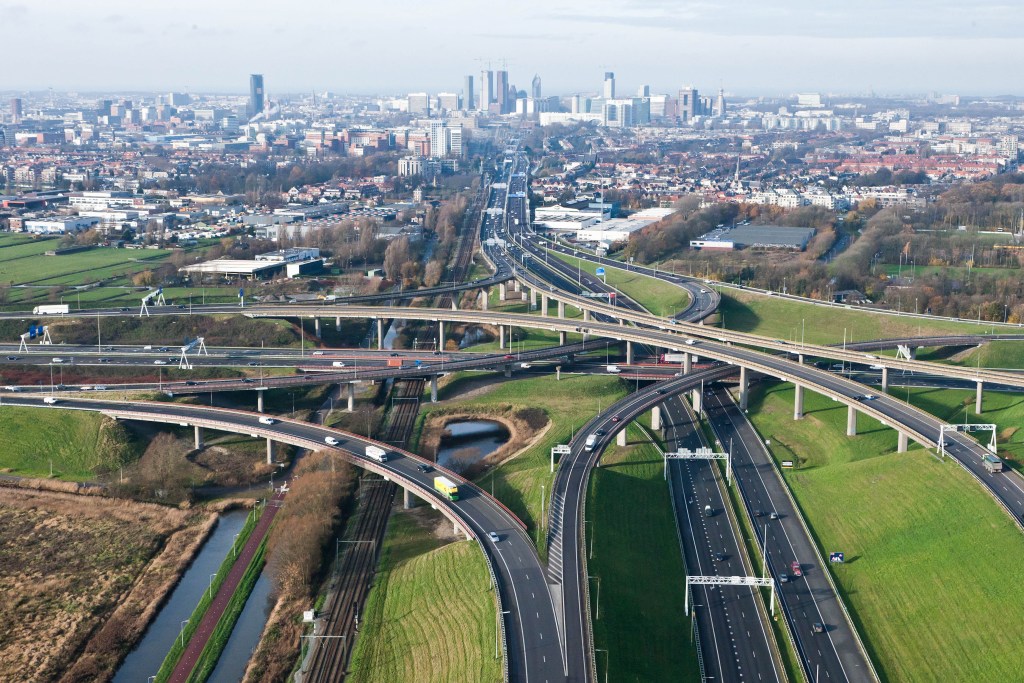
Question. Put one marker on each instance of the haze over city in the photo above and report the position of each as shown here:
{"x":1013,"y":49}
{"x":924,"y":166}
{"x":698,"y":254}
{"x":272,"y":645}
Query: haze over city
{"x":749,"y":46}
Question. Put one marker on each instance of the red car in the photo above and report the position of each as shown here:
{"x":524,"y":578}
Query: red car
{"x":509,"y":357}
{"x":796,"y":568}
{"x":615,"y":419}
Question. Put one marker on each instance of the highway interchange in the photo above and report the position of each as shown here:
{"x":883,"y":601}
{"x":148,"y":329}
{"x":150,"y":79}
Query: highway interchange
{"x":547,"y":630}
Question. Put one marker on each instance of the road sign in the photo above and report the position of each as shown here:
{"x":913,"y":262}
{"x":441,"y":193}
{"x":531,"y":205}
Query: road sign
{"x":599,"y":271}
{"x":837,"y":558}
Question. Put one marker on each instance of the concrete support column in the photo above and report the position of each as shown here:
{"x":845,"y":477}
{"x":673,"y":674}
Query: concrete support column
{"x":800,"y":358}
{"x":351,"y":396}
{"x":913,"y":353}
{"x":885,"y":379}
{"x":508,"y":369}
{"x":485,"y":296}
{"x":629,"y":353}
{"x":316,"y":326}
{"x":743,"y":388}
{"x":902,"y":442}
{"x":558,"y":373}
{"x":798,"y":402}
{"x":533,"y":298}
{"x":656,"y":417}
{"x":620,"y":438}
{"x":199,"y":438}
{"x":687,"y":364}
{"x":515,"y":286}
{"x":977,"y":398}
{"x":259,"y":401}
{"x":586,"y":315}
{"x":502,"y":292}
{"x":851,"y":421}
{"x":380,"y":334}
{"x":561,"y":338}
{"x":501,"y":336}
{"x":270,"y":452}
{"x":408,"y":500}
{"x":561,"y":309}
{"x":544,"y":304}
{"x":440,"y":335}
{"x":433,"y":389}
{"x":696,"y":398}
{"x":337,"y":322}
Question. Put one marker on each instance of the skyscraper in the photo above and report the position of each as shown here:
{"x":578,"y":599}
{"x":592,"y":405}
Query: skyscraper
{"x":720,"y":104}
{"x":687,"y":105}
{"x":486,"y":89}
{"x":256,"y":95}
{"x":609,"y":86}
{"x":501,"y":91}
{"x":468,"y":101}
{"x":535,"y":88}
{"x":16,"y":112}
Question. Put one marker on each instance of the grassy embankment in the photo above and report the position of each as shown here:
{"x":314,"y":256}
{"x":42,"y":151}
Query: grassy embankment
{"x":79,"y":445}
{"x":446,"y":588}
{"x":167,"y":668}
{"x":928,"y":552}
{"x":637,"y":558}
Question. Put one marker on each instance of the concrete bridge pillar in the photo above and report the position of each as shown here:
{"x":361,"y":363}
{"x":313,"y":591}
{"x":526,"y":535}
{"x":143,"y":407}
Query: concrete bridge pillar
{"x":629,"y":353}
{"x":380,"y":334}
{"x":800,"y":358}
{"x":561,"y":338}
{"x":744,"y":386}
{"x":902,"y":442}
{"x":544,"y":304}
{"x":687,"y":364}
{"x":586,"y":315}
{"x":351,"y":396}
{"x":851,"y":421}
{"x":913,"y":353}
{"x":501,"y":336}
{"x":502,"y":292}
{"x":485,"y":298}
{"x":199,"y":437}
{"x":533,"y":298}
{"x":696,"y":399}
{"x":558,"y":373}
{"x":459,"y":532}
{"x":620,"y":438}
{"x":561,"y":309}
{"x":798,"y":402}
{"x":337,"y":322}
{"x":440,"y":335}
{"x":433,"y":389}
{"x":259,"y":401}
{"x":270,"y":452}
{"x":977,"y":398}
{"x":408,"y":499}
{"x":885,"y":379}
{"x":656,"y":418}
{"x":508,"y":369}
{"x":316,"y":326}
{"x":515,"y":286}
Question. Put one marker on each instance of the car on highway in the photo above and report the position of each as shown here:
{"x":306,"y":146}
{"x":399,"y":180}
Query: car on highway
{"x":247,"y":380}
{"x":600,"y":432}
{"x":720,"y":556}
{"x":493,"y":536}
{"x":868,"y":397}
{"x":124,"y":310}
{"x":159,"y":362}
{"x":661,"y":391}
{"x":818,"y":627}
{"x":318,"y":353}
{"x":509,"y":356}
{"x":616,"y":418}
{"x":191,"y":383}
{"x":795,"y":567}
{"x":783,"y":578}
{"x":57,"y":361}
{"x":331,"y":441}
{"x":423,"y":467}
{"x":50,"y":399}
{"x":12,"y":358}
{"x":393,"y":355}
{"x":773,"y":514}
{"x":254,"y":364}
{"x":267,"y":420}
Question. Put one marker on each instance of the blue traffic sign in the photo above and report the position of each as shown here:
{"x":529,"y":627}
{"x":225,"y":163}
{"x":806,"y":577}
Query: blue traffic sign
{"x":599,"y":271}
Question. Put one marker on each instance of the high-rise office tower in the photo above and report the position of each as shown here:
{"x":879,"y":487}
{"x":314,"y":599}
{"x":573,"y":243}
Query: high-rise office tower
{"x":448,"y":101}
{"x":609,"y":86}
{"x":438,"y":139}
{"x":643,"y":91}
{"x":535,"y":88}
{"x":501,"y":91}
{"x":468,"y":101}
{"x":720,"y":103}
{"x":486,"y":89}
{"x":256,"y":95}
{"x":687,"y":104}
{"x":418,"y":103}
{"x":16,"y":110}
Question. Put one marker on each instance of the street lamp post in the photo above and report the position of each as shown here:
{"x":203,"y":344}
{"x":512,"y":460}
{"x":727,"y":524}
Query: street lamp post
{"x":181,"y":633}
{"x":598,"y":610}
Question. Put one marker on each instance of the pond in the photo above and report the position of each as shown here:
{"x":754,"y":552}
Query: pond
{"x":466,"y":442}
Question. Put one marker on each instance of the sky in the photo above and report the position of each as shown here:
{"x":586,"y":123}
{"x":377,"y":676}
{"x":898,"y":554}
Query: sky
{"x":769,"y":47}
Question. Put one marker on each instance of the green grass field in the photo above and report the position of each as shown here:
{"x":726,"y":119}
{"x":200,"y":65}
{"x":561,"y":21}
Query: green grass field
{"x":781,"y":319}
{"x":569,"y":403}
{"x":637,"y":557}
{"x":25,"y":263}
{"x":660,"y":298}
{"x":79,"y":444}
{"x":932,"y":561}
{"x":430,"y":615}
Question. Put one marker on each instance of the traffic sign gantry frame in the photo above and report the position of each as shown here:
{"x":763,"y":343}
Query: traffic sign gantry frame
{"x":753,"y":581}
{"x":701,"y":453}
{"x":967,"y":429}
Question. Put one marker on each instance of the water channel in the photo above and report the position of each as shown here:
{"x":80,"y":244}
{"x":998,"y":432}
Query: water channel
{"x":246,"y":634}
{"x":145,"y":660}
{"x":466,"y":442}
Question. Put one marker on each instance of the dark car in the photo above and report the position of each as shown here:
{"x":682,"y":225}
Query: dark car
{"x":191,"y":383}
{"x":12,"y":358}
{"x":423,"y":467}
{"x":818,"y":627}
{"x":393,"y":355}
{"x":247,"y":380}
{"x":661,"y":391}
{"x":600,"y":432}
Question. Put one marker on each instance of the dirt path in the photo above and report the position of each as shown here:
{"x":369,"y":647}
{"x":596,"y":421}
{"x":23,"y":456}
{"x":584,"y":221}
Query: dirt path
{"x":227,"y":589}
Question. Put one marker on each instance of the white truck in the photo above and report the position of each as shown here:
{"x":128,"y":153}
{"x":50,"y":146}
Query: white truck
{"x":376,"y":453}
{"x":51,"y":309}
{"x":614,"y":369}
{"x":590,"y":443}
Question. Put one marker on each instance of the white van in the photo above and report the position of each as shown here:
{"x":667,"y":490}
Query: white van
{"x":338,"y":364}
{"x":267,"y":420}
{"x":331,"y":441}
{"x":50,"y":399}
{"x":590,"y":443}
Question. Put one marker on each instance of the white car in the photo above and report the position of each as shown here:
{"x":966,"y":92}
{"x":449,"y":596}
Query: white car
{"x":493,"y":536}
{"x":267,"y":420}
{"x":159,"y":362}
{"x":50,"y":399}
{"x":318,"y":353}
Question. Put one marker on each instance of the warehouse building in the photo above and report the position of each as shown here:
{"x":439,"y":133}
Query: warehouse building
{"x":755,"y":236}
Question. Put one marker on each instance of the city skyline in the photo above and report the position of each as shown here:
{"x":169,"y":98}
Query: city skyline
{"x":767,"y":48}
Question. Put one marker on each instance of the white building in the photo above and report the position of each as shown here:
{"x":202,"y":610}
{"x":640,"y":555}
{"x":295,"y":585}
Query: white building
{"x":59,"y":225}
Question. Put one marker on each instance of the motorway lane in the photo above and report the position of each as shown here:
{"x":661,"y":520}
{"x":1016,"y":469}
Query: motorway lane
{"x":831,"y":656}
{"x":735,"y":641}
{"x":535,"y":654}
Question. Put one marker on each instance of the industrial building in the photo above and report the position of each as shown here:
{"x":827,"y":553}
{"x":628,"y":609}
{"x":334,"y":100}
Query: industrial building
{"x":756,"y":236}
{"x":293,"y":262}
